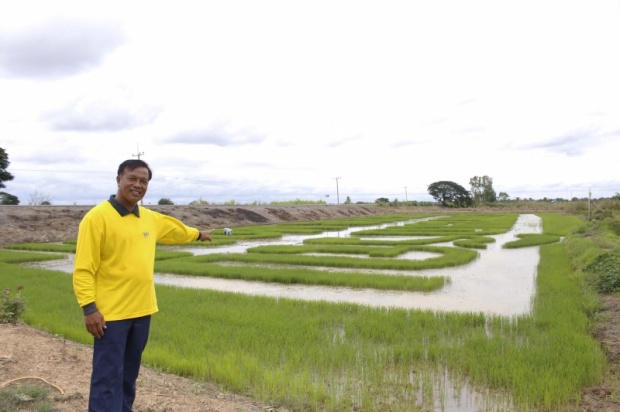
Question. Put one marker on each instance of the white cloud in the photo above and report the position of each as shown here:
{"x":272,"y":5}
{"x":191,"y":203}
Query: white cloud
{"x":88,"y":115}
{"x":273,"y":100}
{"x":57,"y":48}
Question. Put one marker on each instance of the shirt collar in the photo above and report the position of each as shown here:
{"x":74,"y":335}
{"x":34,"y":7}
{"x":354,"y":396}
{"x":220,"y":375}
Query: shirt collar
{"x":122,"y":210}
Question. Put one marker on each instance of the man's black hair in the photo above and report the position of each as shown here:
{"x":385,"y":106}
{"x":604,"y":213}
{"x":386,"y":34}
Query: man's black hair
{"x":132,"y":164}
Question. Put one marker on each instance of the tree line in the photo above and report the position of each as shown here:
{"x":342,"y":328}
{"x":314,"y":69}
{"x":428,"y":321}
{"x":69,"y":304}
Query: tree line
{"x":451,"y":194}
{"x":5,"y":176}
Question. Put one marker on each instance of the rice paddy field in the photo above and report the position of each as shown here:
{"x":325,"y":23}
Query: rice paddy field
{"x":313,"y":355}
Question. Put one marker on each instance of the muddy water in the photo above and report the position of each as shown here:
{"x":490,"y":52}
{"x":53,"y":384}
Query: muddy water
{"x":500,"y":281}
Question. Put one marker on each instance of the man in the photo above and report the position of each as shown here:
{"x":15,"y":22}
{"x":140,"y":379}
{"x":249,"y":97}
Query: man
{"x":113,"y":282}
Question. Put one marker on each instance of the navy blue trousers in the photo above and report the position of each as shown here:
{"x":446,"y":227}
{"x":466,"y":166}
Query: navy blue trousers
{"x":116,"y":364}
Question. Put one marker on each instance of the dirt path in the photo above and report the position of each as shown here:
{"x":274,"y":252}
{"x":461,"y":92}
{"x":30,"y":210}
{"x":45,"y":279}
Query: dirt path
{"x":65,"y":366}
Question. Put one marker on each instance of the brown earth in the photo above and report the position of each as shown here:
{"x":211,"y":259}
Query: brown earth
{"x":28,"y":355}
{"x":20,"y":224}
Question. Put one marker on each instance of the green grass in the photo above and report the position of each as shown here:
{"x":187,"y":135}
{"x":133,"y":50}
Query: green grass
{"x":37,"y":398}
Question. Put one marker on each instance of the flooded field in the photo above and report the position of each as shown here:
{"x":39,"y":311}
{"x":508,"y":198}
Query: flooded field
{"x":464,"y":348}
{"x":501,"y":281}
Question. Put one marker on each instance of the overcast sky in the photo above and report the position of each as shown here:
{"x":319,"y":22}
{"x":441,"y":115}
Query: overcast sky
{"x":282,"y":100}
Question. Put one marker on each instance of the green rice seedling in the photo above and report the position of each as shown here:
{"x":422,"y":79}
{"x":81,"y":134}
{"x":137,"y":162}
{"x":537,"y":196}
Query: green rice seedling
{"x":163,"y":254}
{"x":560,"y":225}
{"x":448,"y":257}
{"x":304,"y":276}
{"x":42,"y":247}
{"x":50,"y":299}
{"x":292,"y":250}
{"x":530,"y":239}
{"x":387,"y":251}
{"x":370,"y":242}
{"x":23,"y":257}
{"x":450,"y":225}
{"x":474,"y":242}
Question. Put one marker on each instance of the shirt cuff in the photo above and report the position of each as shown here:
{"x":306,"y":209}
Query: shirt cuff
{"x":89,"y":308}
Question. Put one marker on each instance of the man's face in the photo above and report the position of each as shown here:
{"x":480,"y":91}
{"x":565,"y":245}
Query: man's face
{"x":132,"y":185}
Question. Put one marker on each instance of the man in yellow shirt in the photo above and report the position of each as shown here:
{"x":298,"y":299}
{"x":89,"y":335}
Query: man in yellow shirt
{"x":113,"y":282}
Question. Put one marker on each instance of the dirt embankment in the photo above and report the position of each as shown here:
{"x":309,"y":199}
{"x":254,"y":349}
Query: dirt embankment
{"x":21,"y":224}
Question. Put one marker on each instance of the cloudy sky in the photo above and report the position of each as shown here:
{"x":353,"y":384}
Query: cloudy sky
{"x":282,"y":100}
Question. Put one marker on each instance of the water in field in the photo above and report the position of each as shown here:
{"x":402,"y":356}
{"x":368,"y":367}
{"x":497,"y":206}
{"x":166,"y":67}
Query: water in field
{"x":500,"y":281}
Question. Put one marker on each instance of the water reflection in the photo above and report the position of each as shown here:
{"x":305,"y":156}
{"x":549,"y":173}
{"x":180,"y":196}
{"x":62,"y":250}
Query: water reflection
{"x":500,"y":281}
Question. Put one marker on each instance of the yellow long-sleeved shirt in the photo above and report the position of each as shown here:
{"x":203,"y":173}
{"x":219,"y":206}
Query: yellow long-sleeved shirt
{"x":115,"y":259}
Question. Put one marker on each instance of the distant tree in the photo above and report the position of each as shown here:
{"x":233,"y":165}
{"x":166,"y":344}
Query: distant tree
{"x":382,"y":200}
{"x":503,"y":196}
{"x":450,"y":194}
{"x":482,"y":189}
{"x":165,"y":201}
{"x":37,"y":199}
{"x":348,"y":201}
{"x":8,"y":199}
{"x":200,"y":202}
{"x":616,"y":196}
{"x":4,"y":164}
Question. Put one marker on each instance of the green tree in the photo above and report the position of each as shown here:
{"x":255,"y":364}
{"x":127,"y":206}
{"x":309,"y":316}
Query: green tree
{"x":165,"y":201}
{"x":450,"y":194}
{"x":482,"y":190}
{"x":199,"y":202}
{"x":8,"y":199}
{"x":503,"y":196}
{"x":348,"y":201}
{"x":382,"y":200}
{"x":4,"y":164}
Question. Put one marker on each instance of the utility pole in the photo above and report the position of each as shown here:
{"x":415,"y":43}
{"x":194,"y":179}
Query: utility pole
{"x":406,"y":200}
{"x":139,"y":152}
{"x":138,"y":156}
{"x":337,"y":193}
{"x":589,"y":204}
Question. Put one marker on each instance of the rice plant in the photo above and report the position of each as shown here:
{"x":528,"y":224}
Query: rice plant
{"x":320,"y":356}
